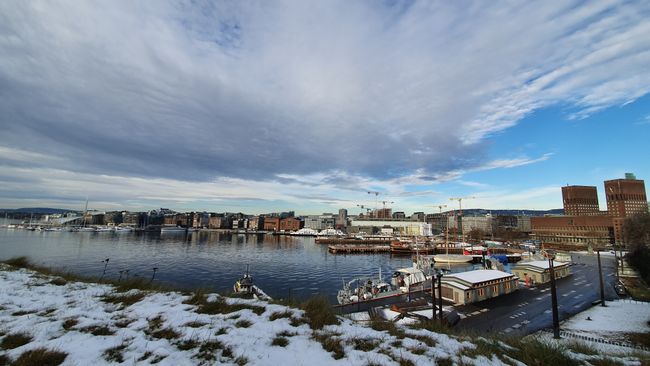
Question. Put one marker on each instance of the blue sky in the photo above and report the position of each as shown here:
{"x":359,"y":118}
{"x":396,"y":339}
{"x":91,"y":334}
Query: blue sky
{"x":285,"y":105}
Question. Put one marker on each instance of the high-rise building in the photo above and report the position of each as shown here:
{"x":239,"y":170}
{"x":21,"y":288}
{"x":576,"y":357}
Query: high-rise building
{"x":580,"y":201}
{"x":626,"y":197}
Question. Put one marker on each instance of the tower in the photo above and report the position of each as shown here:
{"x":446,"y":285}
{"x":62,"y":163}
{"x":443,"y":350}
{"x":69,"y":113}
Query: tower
{"x":580,"y":200}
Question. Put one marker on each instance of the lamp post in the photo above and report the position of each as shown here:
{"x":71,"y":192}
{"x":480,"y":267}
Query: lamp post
{"x":440,"y":295}
{"x":600,"y":277}
{"x":433,"y":290}
{"x":550,"y":254}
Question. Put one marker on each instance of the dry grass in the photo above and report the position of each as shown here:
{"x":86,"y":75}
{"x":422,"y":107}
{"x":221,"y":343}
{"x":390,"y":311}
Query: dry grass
{"x":330,"y":343}
{"x":194,"y":324}
{"x":187,"y":344}
{"x":280,"y":341}
{"x":125,"y":300}
{"x":41,"y":357}
{"x":59,"y":281}
{"x":15,"y":340}
{"x":280,"y":315}
{"x":156,"y":330}
{"x":69,"y":323}
{"x":319,"y":313}
{"x":365,"y":345}
{"x":23,"y":312}
{"x":115,"y":354}
{"x":243,"y":324}
{"x":390,"y":327}
{"x":98,"y":330}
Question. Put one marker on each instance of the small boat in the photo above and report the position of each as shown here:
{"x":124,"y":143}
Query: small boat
{"x":403,"y":281}
{"x":305,"y":232}
{"x":246,"y":286}
{"x":407,"y":247}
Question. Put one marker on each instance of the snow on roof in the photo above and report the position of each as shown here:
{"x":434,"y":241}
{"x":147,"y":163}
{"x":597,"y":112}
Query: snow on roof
{"x":539,"y":264}
{"x":409,"y":270}
{"x":479,"y":275}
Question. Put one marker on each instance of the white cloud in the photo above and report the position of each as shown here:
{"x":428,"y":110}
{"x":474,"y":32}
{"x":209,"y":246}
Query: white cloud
{"x":336,"y":95}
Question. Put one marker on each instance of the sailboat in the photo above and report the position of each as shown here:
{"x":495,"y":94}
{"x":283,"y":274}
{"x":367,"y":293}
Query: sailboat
{"x":451,"y":258}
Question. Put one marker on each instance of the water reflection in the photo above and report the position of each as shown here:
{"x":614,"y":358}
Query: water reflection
{"x":282,"y":265}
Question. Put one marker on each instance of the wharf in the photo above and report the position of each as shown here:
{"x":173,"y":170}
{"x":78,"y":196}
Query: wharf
{"x":353,"y":241}
{"x":358,"y":249}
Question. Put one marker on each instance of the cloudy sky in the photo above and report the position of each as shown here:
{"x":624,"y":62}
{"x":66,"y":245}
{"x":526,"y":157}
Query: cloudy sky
{"x":261,"y":106}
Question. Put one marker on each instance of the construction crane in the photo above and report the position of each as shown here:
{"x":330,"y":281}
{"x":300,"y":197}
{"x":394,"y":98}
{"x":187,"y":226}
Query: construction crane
{"x":385,"y":202}
{"x":363,"y":207}
{"x":460,"y":211}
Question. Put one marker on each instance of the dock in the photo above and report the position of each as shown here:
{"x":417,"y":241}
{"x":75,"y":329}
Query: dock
{"x":353,"y":241}
{"x":358,"y":249}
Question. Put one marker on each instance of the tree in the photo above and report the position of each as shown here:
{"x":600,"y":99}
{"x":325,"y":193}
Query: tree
{"x":636,"y":235}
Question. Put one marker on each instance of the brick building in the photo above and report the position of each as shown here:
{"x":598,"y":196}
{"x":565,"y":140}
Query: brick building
{"x":290,"y":224}
{"x":573,"y":230}
{"x":580,"y":201}
{"x":271,"y":223}
{"x":625,"y":198}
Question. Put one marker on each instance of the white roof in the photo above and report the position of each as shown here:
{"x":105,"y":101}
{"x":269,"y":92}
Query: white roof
{"x":409,"y":270}
{"x":479,"y":275}
{"x":540,"y":264}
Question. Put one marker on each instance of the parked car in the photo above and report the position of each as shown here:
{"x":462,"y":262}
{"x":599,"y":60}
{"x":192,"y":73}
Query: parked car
{"x":620,"y":289}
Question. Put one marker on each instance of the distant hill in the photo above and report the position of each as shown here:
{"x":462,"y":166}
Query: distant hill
{"x":36,"y":210}
{"x":481,"y":211}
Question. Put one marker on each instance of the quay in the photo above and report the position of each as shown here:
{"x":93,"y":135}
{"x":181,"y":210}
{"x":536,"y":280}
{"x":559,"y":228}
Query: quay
{"x":358,"y":249}
{"x":353,"y":241}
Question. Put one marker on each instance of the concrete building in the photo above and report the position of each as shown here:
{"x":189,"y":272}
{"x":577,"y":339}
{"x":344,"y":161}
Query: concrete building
{"x":468,"y":223}
{"x":473,"y":286}
{"x":539,"y":272}
{"x":320,"y":222}
{"x":342,"y":219}
{"x":255,"y":223}
{"x":402,"y":227}
{"x":580,"y":201}
{"x":399,"y":215}
{"x":383,"y":213}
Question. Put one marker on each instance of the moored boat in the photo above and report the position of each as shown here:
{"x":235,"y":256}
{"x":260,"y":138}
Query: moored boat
{"x":364,"y":289}
{"x":246,"y":286}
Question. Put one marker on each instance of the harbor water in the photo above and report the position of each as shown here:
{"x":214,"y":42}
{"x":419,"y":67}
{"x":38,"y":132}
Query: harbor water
{"x":283,"y":266}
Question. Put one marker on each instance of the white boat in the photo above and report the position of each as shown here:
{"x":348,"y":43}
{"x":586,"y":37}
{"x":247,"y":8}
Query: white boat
{"x":86,"y":229}
{"x":123,"y":229}
{"x":305,"y":232}
{"x":172,"y":229}
{"x":105,"y":229}
{"x":331,"y":232}
{"x":453,"y":258}
{"x":365,"y":289}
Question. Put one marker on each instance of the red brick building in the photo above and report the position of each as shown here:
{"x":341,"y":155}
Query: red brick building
{"x":271,"y":223}
{"x":625,"y":198}
{"x":580,"y":201}
{"x":574,"y":230}
{"x":290,"y":224}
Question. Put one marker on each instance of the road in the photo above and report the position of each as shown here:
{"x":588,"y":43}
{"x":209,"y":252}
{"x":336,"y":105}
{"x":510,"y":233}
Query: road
{"x":529,"y":309}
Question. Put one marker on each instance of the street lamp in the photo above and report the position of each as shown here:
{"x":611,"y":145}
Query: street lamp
{"x":439,"y":278}
{"x":600,"y":277}
{"x":550,"y":254}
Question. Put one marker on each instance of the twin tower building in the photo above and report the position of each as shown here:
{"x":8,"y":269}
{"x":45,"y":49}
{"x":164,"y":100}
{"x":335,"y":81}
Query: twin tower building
{"x":583,"y":223}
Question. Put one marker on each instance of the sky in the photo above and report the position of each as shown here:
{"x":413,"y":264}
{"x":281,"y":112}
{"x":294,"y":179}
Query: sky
{"x":263,"y":106}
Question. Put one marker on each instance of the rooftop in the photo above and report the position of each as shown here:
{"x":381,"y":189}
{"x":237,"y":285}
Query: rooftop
{"x":479,"y":275}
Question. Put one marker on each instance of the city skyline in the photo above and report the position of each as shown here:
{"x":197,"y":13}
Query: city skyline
{"x":306,"y":107}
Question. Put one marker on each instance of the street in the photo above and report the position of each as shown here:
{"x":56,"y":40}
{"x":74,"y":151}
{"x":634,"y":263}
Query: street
{"x":529,"y":309}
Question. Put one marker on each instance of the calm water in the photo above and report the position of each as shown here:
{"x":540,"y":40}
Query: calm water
{"x":281,"y":265}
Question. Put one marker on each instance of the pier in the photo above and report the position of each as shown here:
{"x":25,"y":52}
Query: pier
{"x":358,"y":249}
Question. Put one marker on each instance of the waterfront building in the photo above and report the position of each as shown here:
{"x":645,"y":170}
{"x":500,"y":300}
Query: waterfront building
{"x":417,"y":216}
{"x":271,"y":223}
{"x":478,"y":285}
{"x":255,"y":223}
{"x":484,"y":223}
{"x":383,"y":213}
{"x":401,"y":227}
{"x":399,"y":215}
{"x":319,"y":222}
{"x":580,"y":231}
{"x":539,"y":271}
{"x":342,"y":220}
{"x":290,"y":224}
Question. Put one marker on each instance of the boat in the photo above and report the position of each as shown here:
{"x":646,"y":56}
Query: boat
{"x":407,"y":247}
{"x":172,"y":230}
{"x":363,"y":290}
{"x":305,"y":232}
{"x":453,"y":258}
{"x":246,"y":286}
{"x":124,"y":229}
{"x":105,"y":229}
{"x":330,"y":232}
